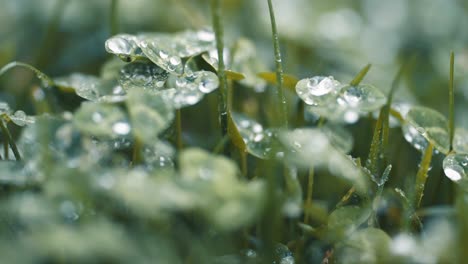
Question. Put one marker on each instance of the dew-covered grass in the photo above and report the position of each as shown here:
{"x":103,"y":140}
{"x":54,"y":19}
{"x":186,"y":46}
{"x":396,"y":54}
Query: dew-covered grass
{"x":233,"y":132}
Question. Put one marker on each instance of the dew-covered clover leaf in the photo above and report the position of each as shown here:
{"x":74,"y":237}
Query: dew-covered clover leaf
{"x":101,"y":120}
{"x":149,"y":113}
{"x":242,"y":64}
{"x":165,"y":50}
{"x":308,"y":147}
{"x":20,"y":118}
{"x":328,"y":98}
{"x":189,"y":88}
{"x":373,"y":247}
{"x":124,"y":46}
{"x":318,"y":90}
{"x":345,"y":220}
{"x":230,"y":197}
{"x":426,"y":124}
{"x":142,"y":75}
{"x":460,"y":140}
{"x":159,"y":155}
{"x":91,"y":87}
{"x":261,"y":143}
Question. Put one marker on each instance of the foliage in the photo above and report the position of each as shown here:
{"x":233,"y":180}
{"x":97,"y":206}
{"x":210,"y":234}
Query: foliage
{"x":183,"y":145}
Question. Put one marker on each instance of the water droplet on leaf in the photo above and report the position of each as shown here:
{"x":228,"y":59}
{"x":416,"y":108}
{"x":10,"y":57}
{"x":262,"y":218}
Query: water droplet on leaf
{"x":313,"y":90}
{"x":456,"y":166}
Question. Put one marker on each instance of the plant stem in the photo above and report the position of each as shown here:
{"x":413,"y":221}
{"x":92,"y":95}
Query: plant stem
{"x":113,"y":18}
{"x":137,"y":157}
{"x":310,"y":187}
{"x":6,"y":149}
{"x":451,"y":102}
{"x":50,"y":38}
{"x":243,"y":162}
{"x":179,"y":143}
{"x":279,"y":69}
{"x":40,"y":75}
{"x":7,"y":134}
{"x":218,"y":29}
{"x":421,"y":176}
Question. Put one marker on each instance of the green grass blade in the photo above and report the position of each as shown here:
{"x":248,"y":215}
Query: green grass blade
{"x":114,"y":22}
{"x":279,"y":69}
{"x":40,"y":75}
{"x":451,"y":102}
{"x":9,"y":138}
{"x":218,"y":29}
{"x":357,"y":80}
{"x":310,"y":187}
{"x":376,"y":146}
{"x":421,"y":175}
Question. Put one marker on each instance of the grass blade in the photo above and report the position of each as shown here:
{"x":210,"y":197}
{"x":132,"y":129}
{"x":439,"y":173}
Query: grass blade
{"x":9,"y":138}
{"x":421,"y":176}
{"x":114,"y":23}
{"x":451,"y":102}
{"x":218,"y":29}
{"x":40,"y":75}
{"x":279,"y":69}
{"x":357,"y":80}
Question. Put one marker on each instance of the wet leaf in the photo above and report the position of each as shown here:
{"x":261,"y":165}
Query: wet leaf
{"x":101,"y":120}
{"x":289,"y":81}
{"x":362,"y":97}
{"x":20,"y":118}
{"x":369,"y":245}
{"x":306,"y":146}
{"x":432,"y":125}
{"x":150,"y":114}
{"x":141,"y":75}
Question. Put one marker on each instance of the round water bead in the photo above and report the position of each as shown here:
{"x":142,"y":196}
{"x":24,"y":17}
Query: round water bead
{"x":456,"y":166}
{"x":414,"y":136}
{"x":122,"y":45}
{"x":314,"y":91}
{"x":21,"y":119}
{"x":363,"y":97}
{"x":142,"y":75}
{"x":206,"y":81}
